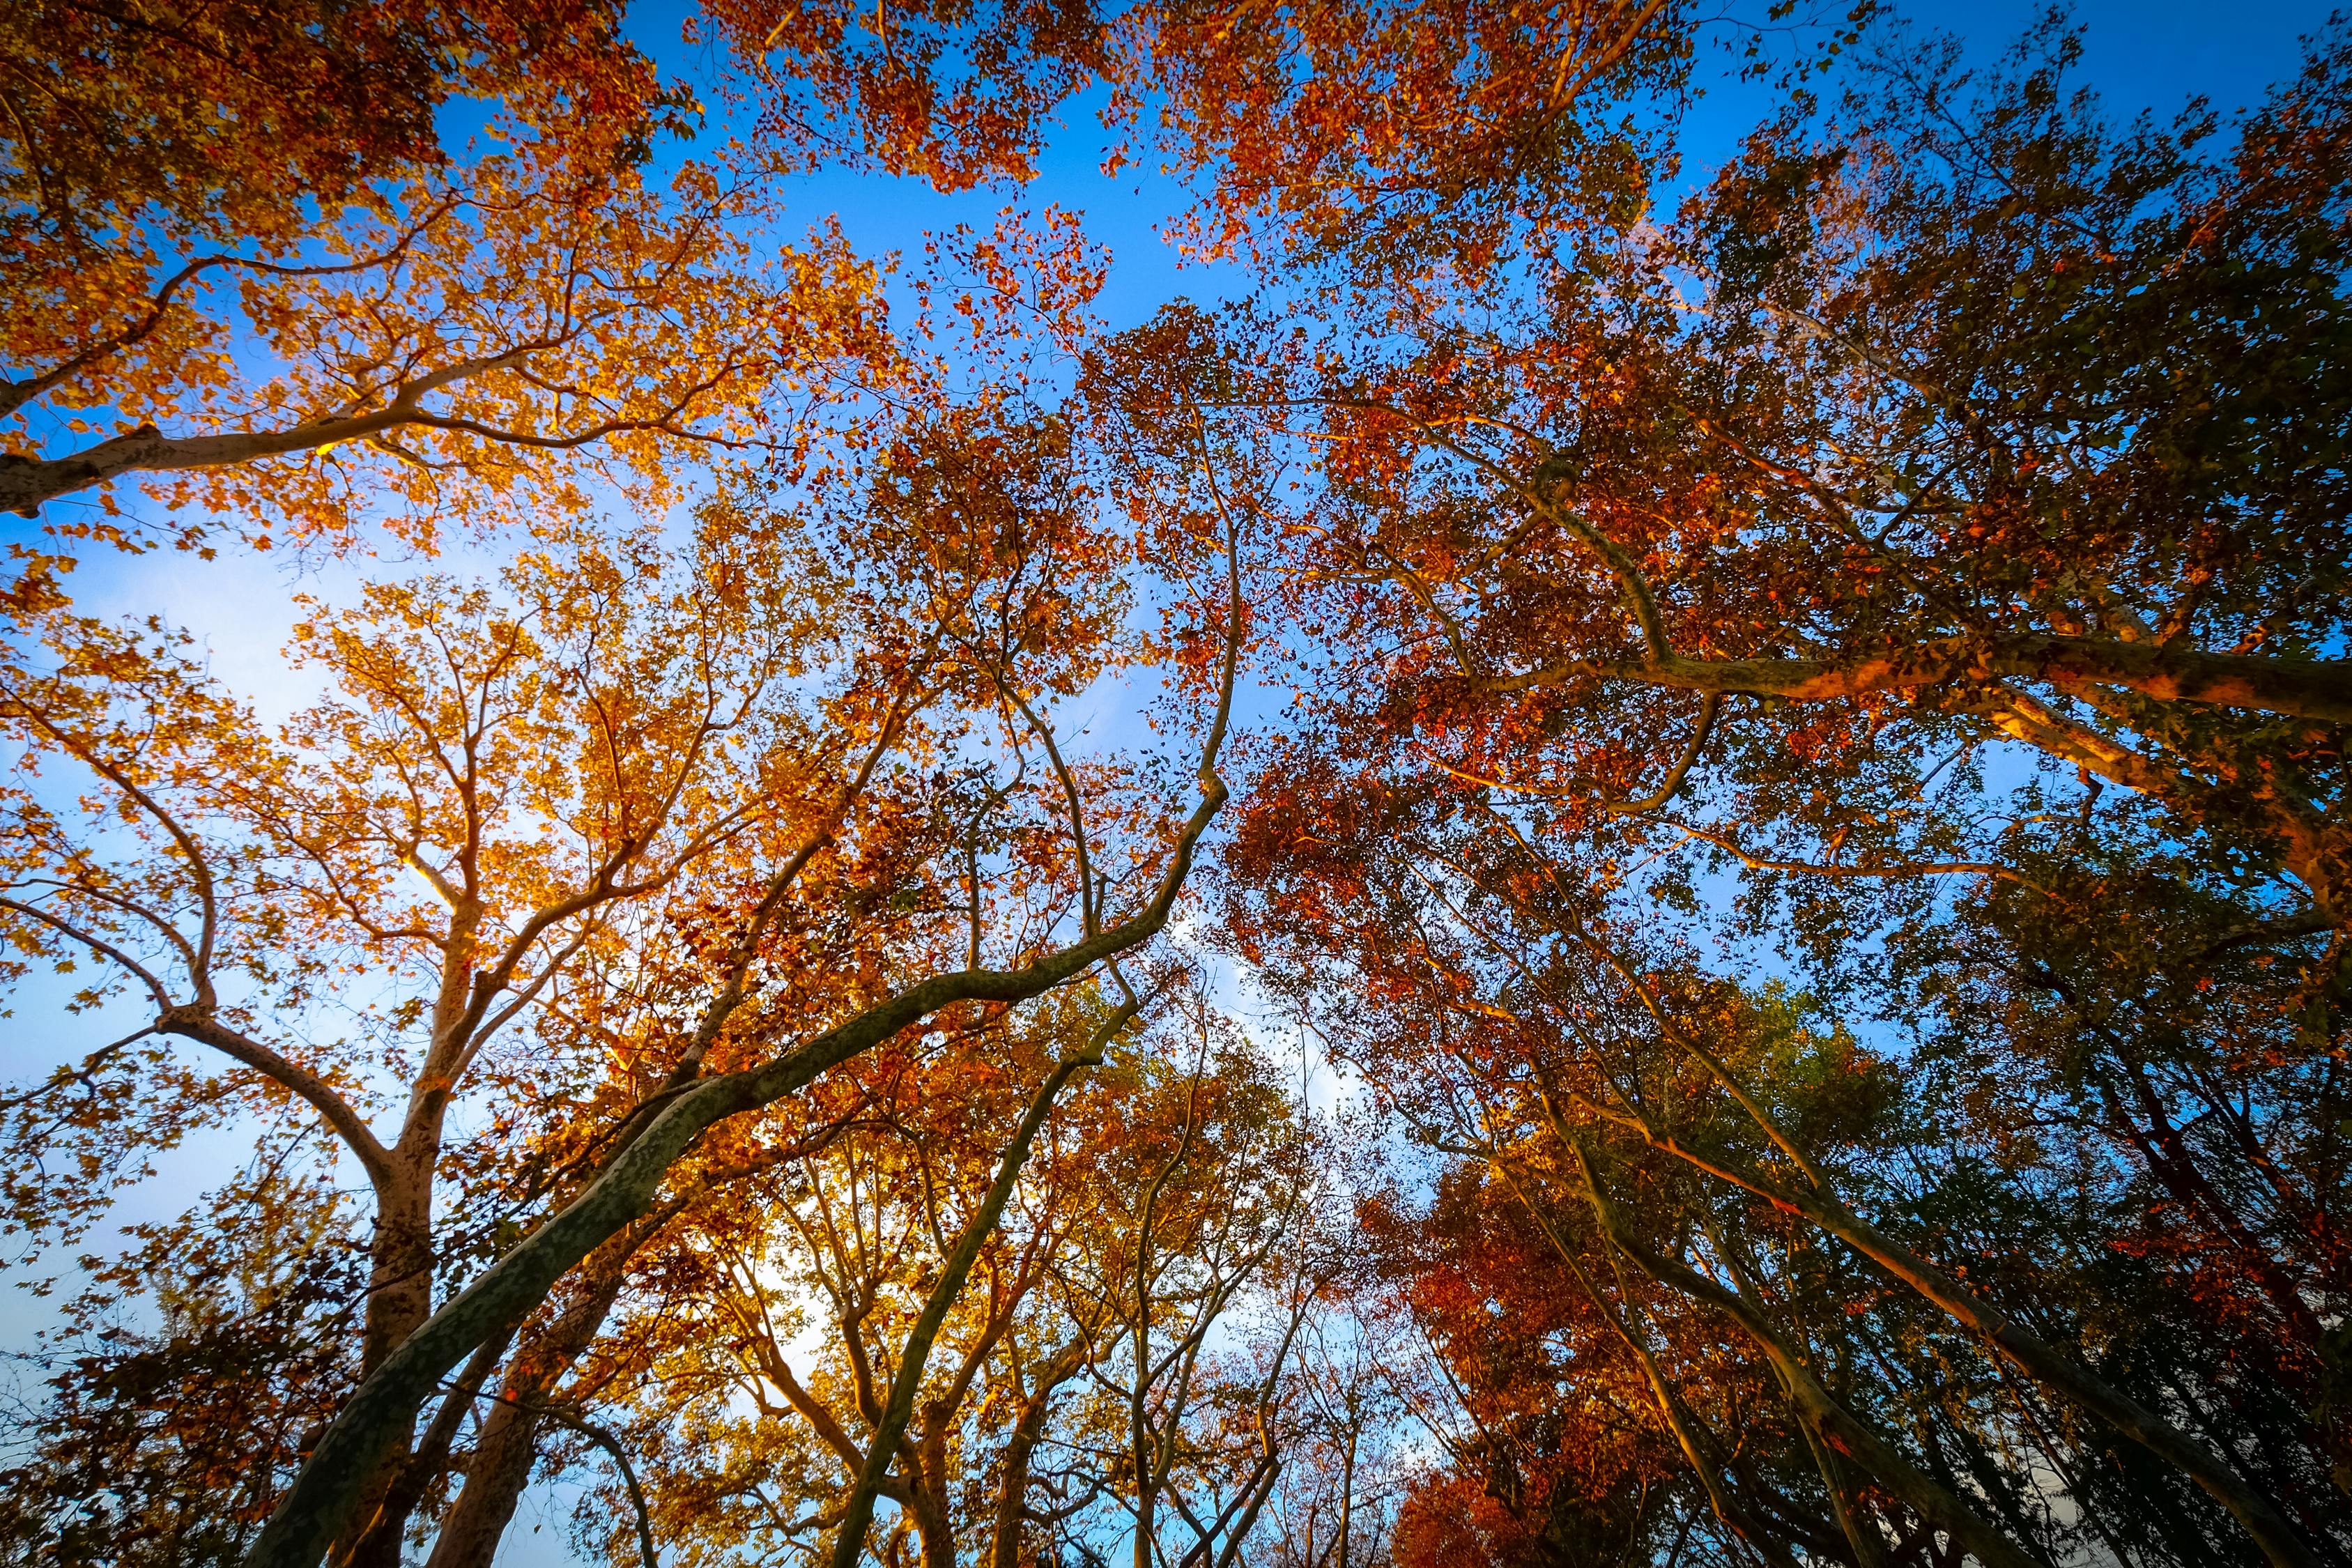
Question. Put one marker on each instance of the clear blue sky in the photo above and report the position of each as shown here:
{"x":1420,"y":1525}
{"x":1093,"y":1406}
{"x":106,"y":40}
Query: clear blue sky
{"x":2159,"y":53}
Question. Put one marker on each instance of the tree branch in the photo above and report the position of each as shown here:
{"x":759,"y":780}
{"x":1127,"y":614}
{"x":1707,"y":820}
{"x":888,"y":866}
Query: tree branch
{"x":2166,"y":672}
{"x":199,"y":1024}
{"x":326,"y":1489}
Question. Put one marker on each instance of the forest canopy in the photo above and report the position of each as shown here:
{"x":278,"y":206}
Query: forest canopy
{"x":1634,"y":847}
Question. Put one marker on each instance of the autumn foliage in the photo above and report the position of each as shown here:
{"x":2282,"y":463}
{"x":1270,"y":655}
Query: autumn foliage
{"x":1646,"y":863}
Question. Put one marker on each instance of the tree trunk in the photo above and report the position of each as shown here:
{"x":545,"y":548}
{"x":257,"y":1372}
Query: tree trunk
{"x":503,"y":1454}
{"x":1012,"y":1495}
{"x":2277,"y":1540}
{"x":400,"y":1260}
{"x":327,"y":1492}
{"x":379,"y":1546}
{"x":1831,"y":1424}
{"x":399,"y":1299}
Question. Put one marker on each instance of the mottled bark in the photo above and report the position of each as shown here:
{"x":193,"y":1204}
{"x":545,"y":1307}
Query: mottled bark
{"x":508,"y":1444}
{"x":379,"y":1545}
{"x":1013,"y":1490}
{"x":331,"y":1486}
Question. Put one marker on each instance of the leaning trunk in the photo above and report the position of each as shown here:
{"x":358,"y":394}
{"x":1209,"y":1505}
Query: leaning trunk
{"x":399,"y":1299}
{"x":509,"y":1442}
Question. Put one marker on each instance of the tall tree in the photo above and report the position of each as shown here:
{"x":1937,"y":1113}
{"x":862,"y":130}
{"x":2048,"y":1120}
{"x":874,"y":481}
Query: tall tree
{"x":1914,"y":568}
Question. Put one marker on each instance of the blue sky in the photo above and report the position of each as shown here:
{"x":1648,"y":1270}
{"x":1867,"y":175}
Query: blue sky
{"x":2152,"y":55}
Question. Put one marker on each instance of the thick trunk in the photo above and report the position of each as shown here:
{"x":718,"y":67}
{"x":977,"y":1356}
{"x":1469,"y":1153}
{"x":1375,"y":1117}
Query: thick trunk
{"x":1146,"y":1497}
{"x":495,"y":1478}
{"x":934,"y":1530}
{"x":399,"y":1300}
{"x":379,"y":1546}
{"x":1847,"y":1506}
{"x":933,"y":1508}
{"x":400,"y":1257}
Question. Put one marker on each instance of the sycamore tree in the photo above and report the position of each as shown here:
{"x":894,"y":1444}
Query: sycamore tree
{"x":685,"y":984}
{"x":1931,"y":524}
{"x":1136,"y":1238}
{"x":566,"y":847}
{"x":542,"y":851}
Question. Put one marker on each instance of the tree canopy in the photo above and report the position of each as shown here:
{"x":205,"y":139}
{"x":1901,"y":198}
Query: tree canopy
{"x":1645,"y":859}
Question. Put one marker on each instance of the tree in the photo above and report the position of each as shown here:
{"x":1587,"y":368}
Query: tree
{"x":859,"y":1238}
{"x":306,"y":310}
{"x":172,"y":1444}
{"x":1812,"y":812}
{"x":538,"y":768}
{"x":1200,"y":1213}
{"x":1616,"y":494}
{"x":631,"y":825}
{"x":1785,"y":538}
{"x":1020,"y":1435}
{"x":400,"y":347}
{"x":560,"y":765}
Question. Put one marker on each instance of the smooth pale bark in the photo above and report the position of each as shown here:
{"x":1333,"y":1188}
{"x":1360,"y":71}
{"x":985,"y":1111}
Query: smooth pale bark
{"x":1847,"y":1504}
{"x":2316,"y":851}
{"x":27,"y":482}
